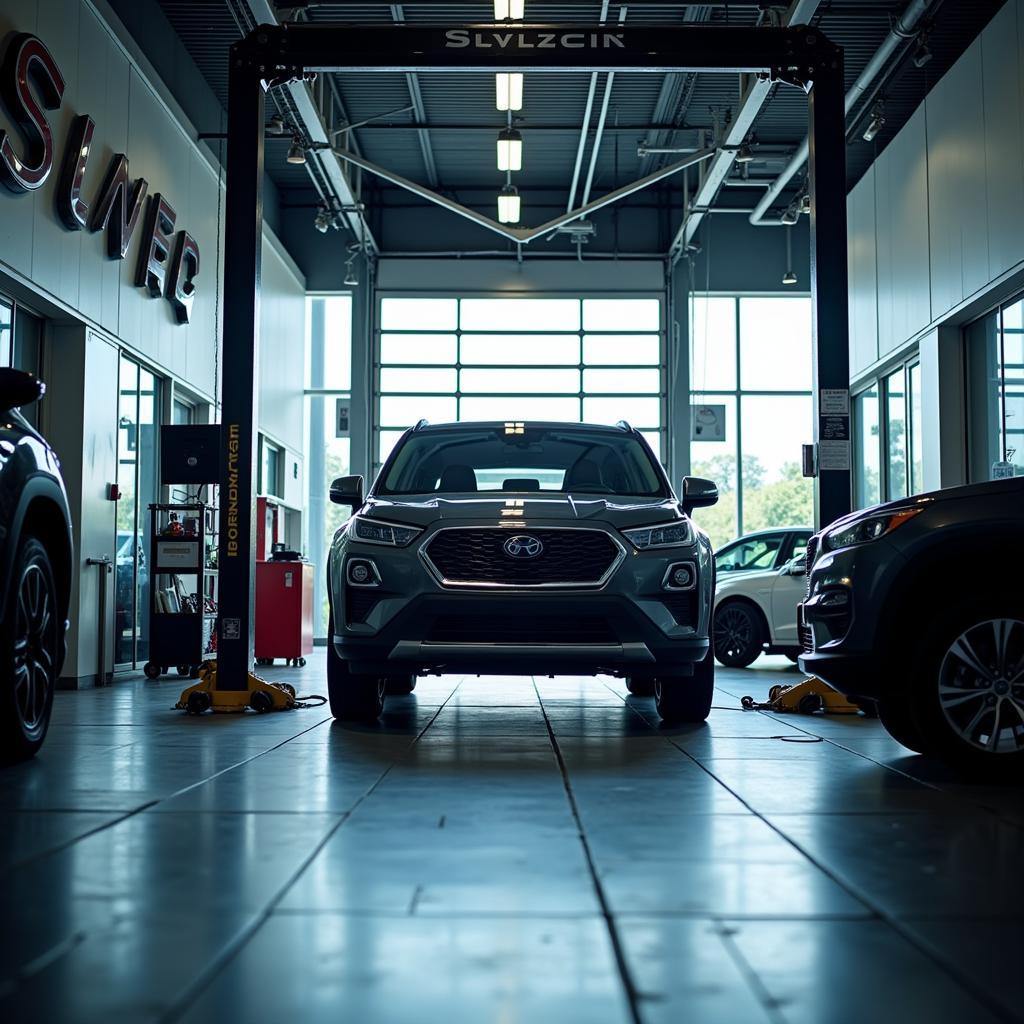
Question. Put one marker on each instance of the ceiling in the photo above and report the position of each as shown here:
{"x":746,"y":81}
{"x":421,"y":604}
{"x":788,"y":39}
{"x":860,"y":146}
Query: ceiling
{"x":453,"y":149}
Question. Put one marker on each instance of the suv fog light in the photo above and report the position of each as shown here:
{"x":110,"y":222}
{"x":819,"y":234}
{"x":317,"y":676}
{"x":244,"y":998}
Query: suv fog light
{"x":361,"y":572}
{"x":835,"y":599}
{"x":680,"y":576}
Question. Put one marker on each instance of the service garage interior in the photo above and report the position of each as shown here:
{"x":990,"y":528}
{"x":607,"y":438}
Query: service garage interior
{"x":511,"y":512}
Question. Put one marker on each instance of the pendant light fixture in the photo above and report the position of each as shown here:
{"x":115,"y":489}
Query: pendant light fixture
{"x":508,"y":89}
{"x":509,"y":205}
{"x":510,"y":150}
{"x":789,"y":277}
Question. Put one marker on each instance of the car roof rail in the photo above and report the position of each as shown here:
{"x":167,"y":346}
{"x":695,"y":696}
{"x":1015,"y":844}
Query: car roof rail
{"x":623,"y":425}
{"x":421,"y":424}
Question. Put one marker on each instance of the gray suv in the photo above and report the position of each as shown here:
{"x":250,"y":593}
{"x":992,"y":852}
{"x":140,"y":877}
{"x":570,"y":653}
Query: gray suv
{"x":512,"y":548}
{"x":919,"y":605}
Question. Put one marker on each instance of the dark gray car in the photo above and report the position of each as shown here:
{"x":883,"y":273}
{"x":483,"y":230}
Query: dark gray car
{"x":919,"y":605}
{"x":508,"y":548}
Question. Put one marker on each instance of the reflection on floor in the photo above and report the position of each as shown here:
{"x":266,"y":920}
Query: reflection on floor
{"x":500,"y":850}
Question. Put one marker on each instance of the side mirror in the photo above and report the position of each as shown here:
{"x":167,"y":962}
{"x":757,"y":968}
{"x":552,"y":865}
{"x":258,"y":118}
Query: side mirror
{"x":698,"y":493}
{"x":347,"y":490}
{"x":797,"y":567}
{"x":18,"y":388}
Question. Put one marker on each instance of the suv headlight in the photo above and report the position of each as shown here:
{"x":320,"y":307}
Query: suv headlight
{"x":371,"y":531}
{"x":866,"y":530}
{"x":671,"y":535}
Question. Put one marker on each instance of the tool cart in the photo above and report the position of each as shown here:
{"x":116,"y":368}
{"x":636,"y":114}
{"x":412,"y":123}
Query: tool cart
{"x":182,"y":589}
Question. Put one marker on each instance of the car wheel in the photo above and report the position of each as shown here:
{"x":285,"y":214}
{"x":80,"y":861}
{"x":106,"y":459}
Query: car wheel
{"x":400,"y":684}
{"x":30,"y":644}
{"x":686,"y":698}
{"x":739,"y":634}
{"x":352,"y":697}
{"x":968,"y":687}
{"x":896,"y":715}
{"x":640,"y":687}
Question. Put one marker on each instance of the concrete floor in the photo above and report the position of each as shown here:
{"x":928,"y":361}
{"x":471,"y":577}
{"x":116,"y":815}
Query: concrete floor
{"x":500,"y":850}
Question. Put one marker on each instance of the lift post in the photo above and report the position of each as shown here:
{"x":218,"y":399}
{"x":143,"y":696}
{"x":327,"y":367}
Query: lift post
{"x":272,"y":55}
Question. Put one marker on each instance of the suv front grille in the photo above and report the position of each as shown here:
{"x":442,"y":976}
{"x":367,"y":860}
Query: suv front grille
{"x":542,"y":629}
{"x":475,"y":556}
{"x":804,"y":634}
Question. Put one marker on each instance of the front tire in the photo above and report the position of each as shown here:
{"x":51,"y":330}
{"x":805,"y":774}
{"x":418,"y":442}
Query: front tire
{"x":682,"y":699}
{"x":896,"y":713}
{"x":968,"y":686}
{"x":739,"y":634}
{"x":640,"y":687}
{"x":399,"y":685}
{"x":352,"y":697}
{"x":30,"y":653}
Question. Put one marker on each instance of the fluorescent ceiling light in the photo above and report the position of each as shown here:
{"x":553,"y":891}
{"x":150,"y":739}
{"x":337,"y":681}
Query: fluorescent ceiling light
{"x":509,"y":205}
{"x":508,"y":89}
{"x":510,"y":150}
{"x":509,"y":10}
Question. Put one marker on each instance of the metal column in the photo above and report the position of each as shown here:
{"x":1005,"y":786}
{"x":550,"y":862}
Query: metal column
{"x":829,"y":296}
{"x":243,"y":237}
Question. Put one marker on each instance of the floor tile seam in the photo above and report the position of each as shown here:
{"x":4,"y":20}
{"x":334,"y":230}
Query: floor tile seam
{"x":892,"y":922}
{"x":873,"y":760}
{"x":757,"y":986}
{"x":630,"y":988}
{"x":440,"y":915}
{"x":67,"y":844}
{"x":962,"y":979}
{"x":193,"y":991}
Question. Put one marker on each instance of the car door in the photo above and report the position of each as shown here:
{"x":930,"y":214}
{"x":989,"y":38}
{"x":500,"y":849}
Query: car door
{"x":787,"y":593}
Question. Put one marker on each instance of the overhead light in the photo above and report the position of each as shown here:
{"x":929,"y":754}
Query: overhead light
{"x":805,"y":203}
{"x":296,"y":152}
{"x":789,"y":278}
{"x":744,"y":155}
{"x":508,"y":88}
{"x":922,"y":52}
{"x":509,"y":10}
{"x":276,"y":125}
{"x":322,"y":220}
{"x":510,"y":150}
{"x":509,"y":205}
{"x":792,"y":213}
{"x":351,"y":277}
{"x":876,"y":122}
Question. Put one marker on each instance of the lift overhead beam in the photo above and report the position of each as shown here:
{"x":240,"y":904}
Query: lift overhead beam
{"x":280,"y":55}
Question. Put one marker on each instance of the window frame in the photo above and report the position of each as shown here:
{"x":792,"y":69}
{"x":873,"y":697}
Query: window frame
{"x":378,"y":430}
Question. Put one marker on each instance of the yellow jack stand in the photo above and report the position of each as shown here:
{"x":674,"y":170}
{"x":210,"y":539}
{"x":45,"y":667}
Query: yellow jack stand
{"x":260,"y":695}
{"x":806,"y":698}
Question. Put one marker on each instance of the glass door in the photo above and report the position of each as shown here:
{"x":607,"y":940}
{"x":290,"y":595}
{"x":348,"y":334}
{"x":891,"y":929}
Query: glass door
{"x":138,"y":484}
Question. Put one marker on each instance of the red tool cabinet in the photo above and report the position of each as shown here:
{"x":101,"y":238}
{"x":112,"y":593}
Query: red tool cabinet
{"x":284,"y":611}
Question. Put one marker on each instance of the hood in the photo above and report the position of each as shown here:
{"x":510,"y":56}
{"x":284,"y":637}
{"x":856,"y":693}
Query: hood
{"x":1010,"y":484}
{"x":422,"y":510}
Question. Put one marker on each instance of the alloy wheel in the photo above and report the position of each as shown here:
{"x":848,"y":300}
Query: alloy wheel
{"x":733,"y":631}
{"x":34,"y":666}
{"x":981,"y":686}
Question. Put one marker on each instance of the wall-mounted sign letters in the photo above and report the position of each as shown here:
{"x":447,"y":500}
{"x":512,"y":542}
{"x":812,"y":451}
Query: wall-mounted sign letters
{"x":30,"y":84}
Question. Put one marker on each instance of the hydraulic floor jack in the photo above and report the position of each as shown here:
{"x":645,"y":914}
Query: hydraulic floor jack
{"x":259,"y":695}
{"x":806,"y":698}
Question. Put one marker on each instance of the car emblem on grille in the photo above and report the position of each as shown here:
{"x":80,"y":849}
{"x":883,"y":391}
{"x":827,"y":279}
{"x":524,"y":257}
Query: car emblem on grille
{"x":523,"y":546}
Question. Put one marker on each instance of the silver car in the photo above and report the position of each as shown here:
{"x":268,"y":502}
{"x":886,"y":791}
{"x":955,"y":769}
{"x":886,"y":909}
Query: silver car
{"x":521,"y":548}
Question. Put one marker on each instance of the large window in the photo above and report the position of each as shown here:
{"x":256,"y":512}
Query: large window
{"x":562,"y":359}
{"x":751,"y":371}
{"x":995,"y":361}
{"x":328,"y":391}
{"x":888,"y":442}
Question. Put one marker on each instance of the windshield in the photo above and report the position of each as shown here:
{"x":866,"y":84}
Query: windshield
{"x":522,"y":459}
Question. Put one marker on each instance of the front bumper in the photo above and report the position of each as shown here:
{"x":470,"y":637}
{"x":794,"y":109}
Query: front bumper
{"x":522,"y":634}
{"x":840,"y":619}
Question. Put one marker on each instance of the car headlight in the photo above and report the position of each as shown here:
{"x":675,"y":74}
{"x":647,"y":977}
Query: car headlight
{"x":672,"y":535}
{"x":866,"y":530}
{"x":373,"y":532}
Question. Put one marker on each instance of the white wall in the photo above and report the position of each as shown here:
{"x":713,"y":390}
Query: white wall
{"x":93,"y":302}
{"x":937,"y":223}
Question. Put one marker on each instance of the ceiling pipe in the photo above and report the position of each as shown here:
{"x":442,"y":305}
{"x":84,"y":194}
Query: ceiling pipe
{"x":585,"y":129}
{"x":903,"y":28}
{"x":755,"y":92}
